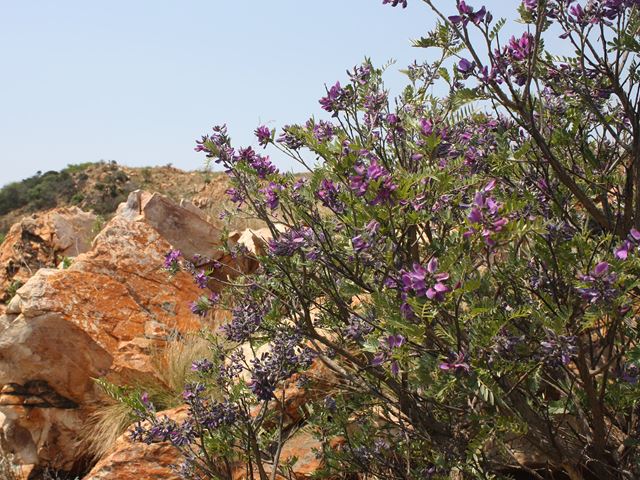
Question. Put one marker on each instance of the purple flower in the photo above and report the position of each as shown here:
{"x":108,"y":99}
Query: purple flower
{"x":289,"y":139}
{"x":172,"y":259}
{"x":246,"y":318}
{"x":394,"y":341}
{"x":468,"y":14}
{"x":465,"y":67}
{"x":202,"y":366}
{"x":599,"y":284}
{"x":425,"y":282}
{"x":395,"y":3}
{"x":262,"y":166}
{"x":521,"y":48}
{"x":264,"y":135}
{"x":393,"y":119}
{"x":426,"y":126}
{"x":376,"y":176}
{"x":357,"y":329}
{"x":455,"y":363}
{"x":578,"y":14}
{"x":217,"y":145}
{"x":328,"y":195}
{"x":235,"y":195}
{"x":323,"y":131}
{"x":202,"y":279}
{"x":484,"y":216}
{"x":632,"y":242}
{"x":360,"y":74}
{"x":288,"y":243}
{"x":558,"y":350}
{"x":530,"y":5}
{"x":285,"y":357}
{"x":271,"y":194}
{"x":359,"y":243}
{"x":334,"y":100}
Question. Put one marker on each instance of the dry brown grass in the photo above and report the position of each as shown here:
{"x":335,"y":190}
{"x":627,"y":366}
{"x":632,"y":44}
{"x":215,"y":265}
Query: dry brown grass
{"x":173,"y":366}
{"x":173,"y":362}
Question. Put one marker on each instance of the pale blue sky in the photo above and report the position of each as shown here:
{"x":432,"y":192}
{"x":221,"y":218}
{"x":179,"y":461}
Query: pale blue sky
{"x":137,"y":81}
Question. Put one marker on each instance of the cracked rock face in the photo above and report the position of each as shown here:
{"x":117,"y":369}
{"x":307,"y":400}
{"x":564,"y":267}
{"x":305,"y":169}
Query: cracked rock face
{"x":99,"y":318}
{"x":43,"y":240}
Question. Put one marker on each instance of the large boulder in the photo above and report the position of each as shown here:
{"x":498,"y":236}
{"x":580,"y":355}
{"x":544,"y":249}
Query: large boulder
{"x":42,"y":240}
{"x":102,"y":317}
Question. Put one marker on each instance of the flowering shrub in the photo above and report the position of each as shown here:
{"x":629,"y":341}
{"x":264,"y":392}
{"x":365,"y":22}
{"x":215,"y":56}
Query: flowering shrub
{"x":465,"y":266}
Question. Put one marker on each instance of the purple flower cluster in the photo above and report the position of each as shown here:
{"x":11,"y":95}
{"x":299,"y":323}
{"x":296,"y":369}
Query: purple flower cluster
{"x":285,"y":357}
{"x":289,"y":139}
{"x":328,"y":195}
{"x":209,"y":414}
{"x":365,"y":240}
{"x":511,"y":61}
{"x":261,"y":164}
{"x":201,"y":278}
{"x":361,"y":74}
{"x":264,"y":135}
{"x":323,"y":131}
{"x":246,"y":318}
{"x":217,"y":145}
{"x":357,"y":328}
{"x":455,"y":363}
{"x":271,"y":196}
{"x":172,"y":260}
{"x":335,"y":100}
{"x":465,"y":67}
{"x":520,"y":48}
{"x":164,"y":430}
{"x":600,"y":284}
{"x":203,"y":366}
{"x":235,"y":195}
{"x":292,"y":241}
{"x":373,"y":177}
{"x":558,"y":350}
{"x":485,"y":217}
{"x":425,"y":282}
{"x":468,"y":14}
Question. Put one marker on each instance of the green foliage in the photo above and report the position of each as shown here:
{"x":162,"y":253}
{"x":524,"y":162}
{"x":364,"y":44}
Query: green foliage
{"x":466,"y":267}
{"x":13,"y":288}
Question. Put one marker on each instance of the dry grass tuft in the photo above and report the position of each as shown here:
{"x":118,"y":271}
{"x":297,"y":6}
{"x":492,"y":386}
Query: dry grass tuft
{"x":173,"y":362}
{"x":173,"y":366}
{"x":104,"y":426}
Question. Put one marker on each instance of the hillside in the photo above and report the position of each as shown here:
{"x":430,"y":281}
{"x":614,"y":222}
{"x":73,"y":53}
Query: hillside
{"x":100,"y":187}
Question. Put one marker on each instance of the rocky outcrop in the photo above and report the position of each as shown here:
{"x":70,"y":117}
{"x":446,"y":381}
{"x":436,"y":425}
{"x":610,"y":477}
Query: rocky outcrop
{"x":99,"y":318}
{"x":42,"y":240}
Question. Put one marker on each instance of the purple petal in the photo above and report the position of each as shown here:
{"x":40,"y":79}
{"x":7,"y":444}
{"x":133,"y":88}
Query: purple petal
{"x":600,"y":269}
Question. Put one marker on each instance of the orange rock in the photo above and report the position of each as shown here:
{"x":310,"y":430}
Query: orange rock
{"x":43,"y":240}
{"x":101,"y":317}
